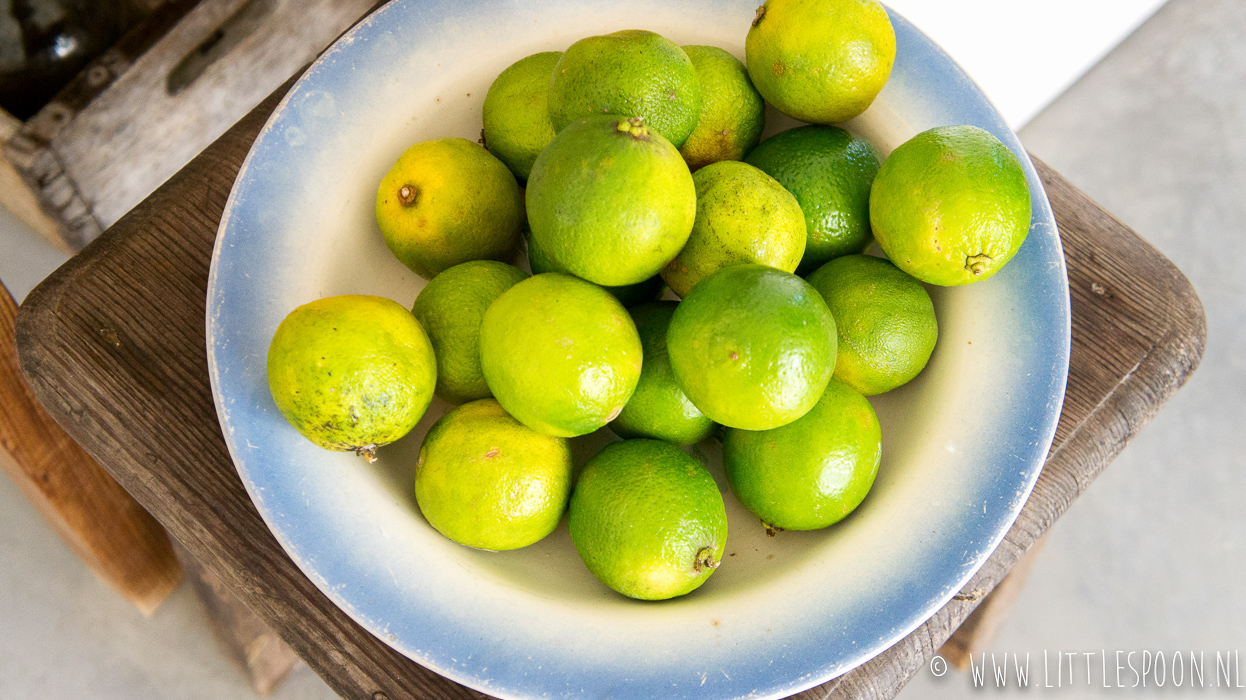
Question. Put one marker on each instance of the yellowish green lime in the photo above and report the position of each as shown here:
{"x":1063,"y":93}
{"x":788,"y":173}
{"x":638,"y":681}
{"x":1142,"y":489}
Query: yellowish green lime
{"x":632,"y":73}
{"x":447,"y":201}
{"x":516,"y":112}
{"x":820,"y":61}
{"x":610,"y":201}
{"x":885,"y":320}
{"x":648,"y":520}
{"x":733,"y":114}
{"x":752,"y":346}
{"x":743,"y":216}
{"x":659,"y":408}
{"x":450,"y":307}
{"x":560,"y":354}
{"x":830,"y":172}
{"x":351,"y":373}
{"x":629,"y":295}
{"x":486,"y":481}
{"x":951,"y":205}
{"x":810,"y":473}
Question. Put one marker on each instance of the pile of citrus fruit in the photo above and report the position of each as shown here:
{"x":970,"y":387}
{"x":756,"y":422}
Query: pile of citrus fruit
{"x":627,"y":165}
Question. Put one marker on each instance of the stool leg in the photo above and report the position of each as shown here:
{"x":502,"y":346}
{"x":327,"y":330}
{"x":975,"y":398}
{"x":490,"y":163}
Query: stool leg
{"x":101,"y":523}
{"x":258,"y":652}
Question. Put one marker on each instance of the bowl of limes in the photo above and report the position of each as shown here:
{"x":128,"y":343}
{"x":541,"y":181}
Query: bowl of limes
{"x":472,"y":358}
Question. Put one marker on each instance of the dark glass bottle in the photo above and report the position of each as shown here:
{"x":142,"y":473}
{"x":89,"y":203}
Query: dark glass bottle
{"x":45,"y":43}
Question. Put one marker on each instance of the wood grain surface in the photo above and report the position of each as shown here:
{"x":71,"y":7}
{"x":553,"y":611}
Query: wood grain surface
{"x":114,"y":345}
{"x":96,"y":518}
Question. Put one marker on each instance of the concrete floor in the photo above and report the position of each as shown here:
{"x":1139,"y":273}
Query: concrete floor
{"x":1150,"y":558}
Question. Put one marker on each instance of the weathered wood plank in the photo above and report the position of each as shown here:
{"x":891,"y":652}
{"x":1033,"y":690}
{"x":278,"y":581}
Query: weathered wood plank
{"x":143,"y":405}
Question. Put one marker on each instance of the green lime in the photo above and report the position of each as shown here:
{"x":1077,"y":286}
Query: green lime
{"x":351,"y":373}
{"x":629,"y":295}
{"x":447,"y":201}
{"x":812,"y":472}
{"x":830,"y":172}
{"x":486,"y":481}
{"x":561,"y":355}
{"x":820,"y":61}
{"x":659,"y":408}
{"x":743,"y":216}
{"x":516,"y":112}
{"x":632,"y":73}
{"x":733,"y":114}
{"x":885,"y":320}
{"x":450,"y":308}
{"x":610,"y":201}
{"x":648,"y":520}
{"x":951,"y":205}
{"x":752,"y":346}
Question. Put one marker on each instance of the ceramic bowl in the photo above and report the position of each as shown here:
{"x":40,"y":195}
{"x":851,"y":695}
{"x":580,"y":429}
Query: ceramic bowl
{"x":962,"y":444}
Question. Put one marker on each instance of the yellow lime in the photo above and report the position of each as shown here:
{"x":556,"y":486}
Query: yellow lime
{"x":447,"y":201}
{"x":752,"y":346}
{"x":632,"y":73}
{"x":885,"y":320}
{"x":560,"y":354}
{"x":820,"y":61}
{"x":450,"y":307}
{"x":648,"y":520}
{"x":486,"y":481}
{"x":516,"y":112}
{"x":351,"y":373}
{"x":951,"y":205}
{"x":812,"y":472}
{"x":743,"y":216}
{"x":733,"y":114}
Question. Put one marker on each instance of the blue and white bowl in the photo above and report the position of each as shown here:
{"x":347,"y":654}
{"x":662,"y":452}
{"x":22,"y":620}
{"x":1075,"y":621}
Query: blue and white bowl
{"x":962,"y":444}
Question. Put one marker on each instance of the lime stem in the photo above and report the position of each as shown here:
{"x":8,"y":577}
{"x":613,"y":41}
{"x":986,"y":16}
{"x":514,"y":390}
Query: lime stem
{"x":407,"y":194}
{"x":368,"y":452}
{"x":705,"y":560}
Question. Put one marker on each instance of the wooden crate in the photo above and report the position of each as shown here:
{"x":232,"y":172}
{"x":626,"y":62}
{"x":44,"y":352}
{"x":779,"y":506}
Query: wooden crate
{"x":142,"y":110}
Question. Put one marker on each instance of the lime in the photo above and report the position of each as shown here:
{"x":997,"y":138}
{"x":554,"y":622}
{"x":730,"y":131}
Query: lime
{"x":610,"y":201}
{"x":632,"y":73}
{"x":648,"y":520}
{"x":351,"y":373}
{"x":743,"y":216}
{"x":752,"y":346}
{"x":830,"y":172}
{"x":659,"y":408}
{"x":516,"y":112}
{"x":486,"y":481}
{"x":820,"y":61}
{"x":885,"y":320}
{"x":561,"y":355}
{"x":450,"y":308}
{"x":447,"y":201}
{"x":951,"y":205}
{"x":733,"y":114}
{"x":629,"y":295}
{"x":812,"y":472}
